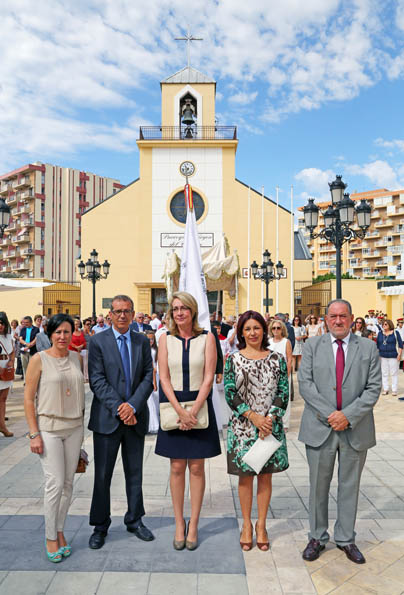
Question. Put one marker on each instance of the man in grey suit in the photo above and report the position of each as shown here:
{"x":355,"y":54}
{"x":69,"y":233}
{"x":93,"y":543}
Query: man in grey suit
{"x":340,"y":382}
{"x":121,"y":377}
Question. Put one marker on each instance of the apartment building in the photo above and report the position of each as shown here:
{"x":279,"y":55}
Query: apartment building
{"x":46,"y":201}
{"x":379,"y":254}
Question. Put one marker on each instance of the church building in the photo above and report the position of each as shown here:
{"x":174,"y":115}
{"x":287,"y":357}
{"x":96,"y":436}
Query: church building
{"x":139,"y":226}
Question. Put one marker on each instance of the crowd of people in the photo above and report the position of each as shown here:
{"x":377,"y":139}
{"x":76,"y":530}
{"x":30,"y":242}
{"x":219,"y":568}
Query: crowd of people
{"x":164,"y":374}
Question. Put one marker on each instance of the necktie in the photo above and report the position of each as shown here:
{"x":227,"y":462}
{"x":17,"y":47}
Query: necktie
{"x":123,"y":348}
{"x":339,"y":372}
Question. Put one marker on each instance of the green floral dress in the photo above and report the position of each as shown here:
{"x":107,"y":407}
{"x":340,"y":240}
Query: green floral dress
{"x":261,"y":385}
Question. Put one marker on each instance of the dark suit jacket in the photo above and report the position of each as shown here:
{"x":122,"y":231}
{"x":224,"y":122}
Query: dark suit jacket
{"x":291,"y":334}
{"x":134,"y":327}
{"x":225,"y":329}
{"x":107,"y":381}
{"x":34,"y":332}
{"x":219,"y":352}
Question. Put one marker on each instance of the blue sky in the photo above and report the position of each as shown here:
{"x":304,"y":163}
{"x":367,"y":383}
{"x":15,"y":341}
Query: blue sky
{"x":316,"y":88}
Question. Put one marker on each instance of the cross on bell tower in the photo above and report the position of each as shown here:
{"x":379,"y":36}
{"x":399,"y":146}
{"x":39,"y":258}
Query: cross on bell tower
{"x":188,"y":38}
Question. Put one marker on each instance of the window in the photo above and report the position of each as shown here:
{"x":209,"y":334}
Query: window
{"x":178,"y":208}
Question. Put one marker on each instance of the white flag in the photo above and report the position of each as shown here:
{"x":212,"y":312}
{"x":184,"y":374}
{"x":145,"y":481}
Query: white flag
{"x":192,"y":278}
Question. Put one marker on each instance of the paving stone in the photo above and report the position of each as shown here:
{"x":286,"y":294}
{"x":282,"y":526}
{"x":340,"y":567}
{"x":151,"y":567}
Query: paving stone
{"x":124,"y":583}
{"x":377,"y":583}
{"x":173,"y":584}
{"x":3,"y":574}
{"x":219,"y":584}
{"x":74,"y":583}
{"x":29,"y":583}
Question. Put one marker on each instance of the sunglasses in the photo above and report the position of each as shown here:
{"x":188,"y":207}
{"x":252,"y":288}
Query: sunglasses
{"x":276,"y":328}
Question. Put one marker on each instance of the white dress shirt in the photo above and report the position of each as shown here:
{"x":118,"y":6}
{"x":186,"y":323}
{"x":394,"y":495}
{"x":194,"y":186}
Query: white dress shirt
{"x":334,"y":344}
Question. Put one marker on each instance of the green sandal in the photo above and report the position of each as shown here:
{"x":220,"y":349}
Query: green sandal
{"x":54,"y":557}
{"x":66,"y":550}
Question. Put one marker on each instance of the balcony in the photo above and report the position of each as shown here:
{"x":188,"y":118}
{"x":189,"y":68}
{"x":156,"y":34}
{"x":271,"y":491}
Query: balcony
{"x":24,"y":237}
{"x":373,"y":234}
{"x":188,"y":133}
{"x":384,"y":223}
{"x":11,"y":200}
{"x":357,"y":246}
{"x":4,"y":187}
{"x":374,"y":214}
{"x":23,"y":181}
{"x":26,"y":194}
{"x":21,"y":266}
{"x":28,"y":251}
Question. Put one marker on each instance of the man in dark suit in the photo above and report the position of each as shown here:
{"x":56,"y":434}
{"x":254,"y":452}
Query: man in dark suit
{"x":28,"y":342}
{"x":224,"y":328}
{"x":340,"y":382}
{"x":121,"y":377}
{"x":139,"y":325}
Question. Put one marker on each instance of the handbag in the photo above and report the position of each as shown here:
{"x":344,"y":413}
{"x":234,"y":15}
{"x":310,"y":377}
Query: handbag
{"x":6,"y":374}
{"x":82,"y":462}
{"x":260,"y":452}
{"x":169,"y":416}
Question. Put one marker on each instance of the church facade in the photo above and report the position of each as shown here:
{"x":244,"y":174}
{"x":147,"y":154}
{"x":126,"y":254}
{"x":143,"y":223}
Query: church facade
{"x":137,"y":227}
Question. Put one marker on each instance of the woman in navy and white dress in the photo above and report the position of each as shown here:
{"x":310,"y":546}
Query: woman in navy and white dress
{"x":187,"y":362}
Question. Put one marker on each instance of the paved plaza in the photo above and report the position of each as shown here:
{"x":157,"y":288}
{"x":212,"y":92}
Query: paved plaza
{"x":127,"y":565}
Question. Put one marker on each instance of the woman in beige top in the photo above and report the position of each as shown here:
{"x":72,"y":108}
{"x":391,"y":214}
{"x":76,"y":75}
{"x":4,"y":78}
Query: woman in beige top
{"x":54,"y":408}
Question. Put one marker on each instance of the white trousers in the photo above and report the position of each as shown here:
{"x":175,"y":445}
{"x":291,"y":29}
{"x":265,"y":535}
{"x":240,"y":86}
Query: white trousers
{"x":59,"y":463}
{"x":390,"y":367}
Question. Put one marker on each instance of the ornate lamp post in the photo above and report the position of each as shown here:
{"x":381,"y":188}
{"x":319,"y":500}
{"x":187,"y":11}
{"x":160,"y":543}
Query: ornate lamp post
{"x":92,"y":271}
{"x":4,"y":216}
{"x":266,"y":273}
{"x":338,"y":219}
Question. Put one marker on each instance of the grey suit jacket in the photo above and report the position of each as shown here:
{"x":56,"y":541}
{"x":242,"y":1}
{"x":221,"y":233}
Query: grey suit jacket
{"x":361,"y":387}
{"x":107,"y":381}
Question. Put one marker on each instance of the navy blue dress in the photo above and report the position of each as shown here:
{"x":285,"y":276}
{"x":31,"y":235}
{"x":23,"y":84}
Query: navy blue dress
{"x":186,"y":363}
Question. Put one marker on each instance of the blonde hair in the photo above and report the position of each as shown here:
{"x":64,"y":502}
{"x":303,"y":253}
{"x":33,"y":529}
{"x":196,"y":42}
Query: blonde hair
{"x":284,"y":330}
{"x":190,"y":302}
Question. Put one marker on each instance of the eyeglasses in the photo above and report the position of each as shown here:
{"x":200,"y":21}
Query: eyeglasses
{"x":276,"y":328}
{"x":180,"y":309}
{"x":120,"y":312}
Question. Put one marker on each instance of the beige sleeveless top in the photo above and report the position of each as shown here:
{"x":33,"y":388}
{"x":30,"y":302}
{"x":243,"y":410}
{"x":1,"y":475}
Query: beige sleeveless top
{"x":60,"y":394}
{"x":186,"y":364}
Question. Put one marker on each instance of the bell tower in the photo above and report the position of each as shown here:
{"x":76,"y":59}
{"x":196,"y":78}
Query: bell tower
{"x":188,"y":94}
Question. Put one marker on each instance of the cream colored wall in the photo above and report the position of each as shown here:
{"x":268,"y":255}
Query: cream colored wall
{"x":170,"y":90}
{"x":120,"y":230}
{"x":361,"y":293}
{"x":21,"y":302}
{"x":303,"y":270}
{"x":235,"y":218}
{"x":392,"y":305}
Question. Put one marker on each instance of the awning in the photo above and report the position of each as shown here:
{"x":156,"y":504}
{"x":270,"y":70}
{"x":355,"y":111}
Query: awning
{"x":22,"y":231}
{"x":12,"y":284}
{"x":393,"y":290}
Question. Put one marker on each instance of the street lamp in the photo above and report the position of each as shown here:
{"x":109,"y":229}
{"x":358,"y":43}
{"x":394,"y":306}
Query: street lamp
{"x":4,"y":216}
{"x":266,"y":273}
{"x":91,"y":270}
{"x":338,"y":219}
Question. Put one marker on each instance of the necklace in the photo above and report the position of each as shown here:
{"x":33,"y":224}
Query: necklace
{"x":385,"y":339}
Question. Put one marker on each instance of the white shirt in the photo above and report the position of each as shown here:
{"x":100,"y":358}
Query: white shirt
{"x":160,"y":332}
{"x":334,"y":344}
{"x":401,"y":331}
{"x":155,"y":323}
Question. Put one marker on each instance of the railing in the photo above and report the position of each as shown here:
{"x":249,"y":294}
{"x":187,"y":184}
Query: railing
{"x":188,"y":133}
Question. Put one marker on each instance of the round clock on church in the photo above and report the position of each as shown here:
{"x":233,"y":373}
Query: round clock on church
{"x":187,"y":168}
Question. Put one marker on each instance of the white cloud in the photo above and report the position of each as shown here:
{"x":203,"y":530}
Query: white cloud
{"x":315,"y":181}
{"x":396,"y":144}
{"x":243,"y":98}
{"x":380,"y":173}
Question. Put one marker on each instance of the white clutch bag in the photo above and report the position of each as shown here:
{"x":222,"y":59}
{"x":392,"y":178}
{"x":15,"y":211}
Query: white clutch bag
{"x":169,"y":416}
{"x":260,"y":452}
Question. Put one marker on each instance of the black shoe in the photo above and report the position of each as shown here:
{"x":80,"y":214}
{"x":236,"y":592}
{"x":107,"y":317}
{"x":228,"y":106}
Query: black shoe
{"x":97,"y":540}
{"x":141,"y":532}
{"x":312,"y":550}
{"x":352,"y":553}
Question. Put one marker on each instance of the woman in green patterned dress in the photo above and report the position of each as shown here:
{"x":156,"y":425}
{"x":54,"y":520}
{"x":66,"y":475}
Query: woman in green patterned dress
{"x":256,"y":389}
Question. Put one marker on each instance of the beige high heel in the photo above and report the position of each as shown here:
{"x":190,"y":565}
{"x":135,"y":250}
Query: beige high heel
{"x":6,"y":433}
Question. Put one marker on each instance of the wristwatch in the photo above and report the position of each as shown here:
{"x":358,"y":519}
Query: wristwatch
{"x":34,"y":435}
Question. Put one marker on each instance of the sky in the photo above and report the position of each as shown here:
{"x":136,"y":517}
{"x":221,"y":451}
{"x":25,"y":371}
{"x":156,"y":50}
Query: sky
{"x":316,"y":88}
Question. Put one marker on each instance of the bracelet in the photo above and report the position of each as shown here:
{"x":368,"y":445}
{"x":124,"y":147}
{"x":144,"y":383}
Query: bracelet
{"x":32,"y":436}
